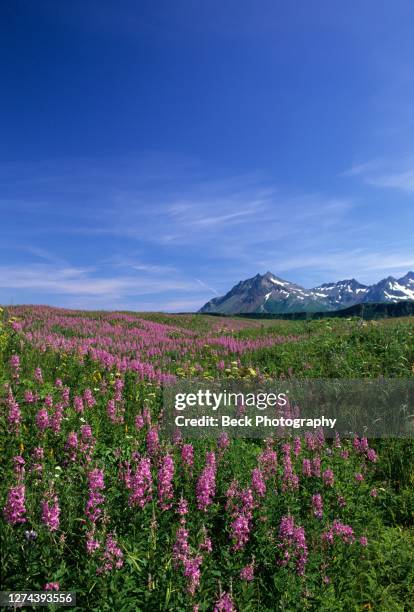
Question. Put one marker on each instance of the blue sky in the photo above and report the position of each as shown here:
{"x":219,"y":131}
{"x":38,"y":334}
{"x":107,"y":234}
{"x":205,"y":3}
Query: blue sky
{"x":152,"y":154}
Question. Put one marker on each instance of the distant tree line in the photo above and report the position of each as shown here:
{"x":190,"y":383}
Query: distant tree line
{"x":364,"y":311}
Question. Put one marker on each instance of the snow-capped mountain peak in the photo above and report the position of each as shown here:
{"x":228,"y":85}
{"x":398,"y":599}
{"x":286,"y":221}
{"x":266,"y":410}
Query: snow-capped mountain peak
{"x":272,"y":294}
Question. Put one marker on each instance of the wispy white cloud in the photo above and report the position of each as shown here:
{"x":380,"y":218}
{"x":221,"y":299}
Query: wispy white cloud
{"x":391,"y":175}
{"x":86,"y":281}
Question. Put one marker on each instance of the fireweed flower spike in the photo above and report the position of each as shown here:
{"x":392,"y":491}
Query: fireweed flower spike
{"x":258,"y":483}
{"x":328,"y":478}
{"x":152,"y":441}
{"x":317,"y":505}
{"x":165,"y":482}
{"x":95,"y":485}
{"x":141,"y":484}
{"x":247,"y":573}
{"x":51,"y":511}
{"x":293,"y":544}
{"x":187,"y":455}
{"x":15,"y":367}
{"x":206,"y":485}
{"x":224,"y":603}
{"x":14,"y":511}
{"x":14,"y":416}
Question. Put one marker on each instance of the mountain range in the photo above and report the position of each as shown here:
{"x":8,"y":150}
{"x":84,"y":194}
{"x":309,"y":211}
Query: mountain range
{"x":268,"y":293}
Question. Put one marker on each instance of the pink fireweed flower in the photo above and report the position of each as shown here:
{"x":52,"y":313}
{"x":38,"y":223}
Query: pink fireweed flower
{"x":112,"y":557}
{"x":92,"y":544}
{"x":111,"y":410}
{"x":15,"y":509}
{"x":223,"y":441}
{"x":240,"y":505}
{"x":359,"y":477}
{"x":187,"y":455}
{"x":320,"y":438}
{"x":139,"y":421}
{"x":240,"y":531}
{"x":206,"y":485}
{"x":293,"y":544}
{"x":372,"y":455}
{"x":29,"y":397}
{"x":119,"y":385}
{"x":95,"y":484}
{"x":316,"y":466}
{"x":290,"y":479}
{"x":65,"y":397}
{"x":182,"y":507}
{"x":152,"y":441}
{"x":14,"y":415}
{"x":49,"y":401}
{"x":258,"y":483}
{"x":89,"y":399}
{"x":87,"y":443}
{"x":181,"y":548}
{"x":86,"y":432}
{"x":51,"y":512}
{"x":268,"y":462}
{"x":71,"y":445}
{"x":317,"y":505}
{"x":297,"y":446}
{"x":310,"y":440}
{"x":374,"y":493}
{"x":165,"y":482}
{"x":15,"y":366}
{"x":306,"y":468}
{"x":56,"y":419}
{"x":328,"y":478}
{"x":16,"y":326}
{"x":78,"y":404}
{"x":337,"y":443}
{"x":192,"y":573}
{"x":224,"y":603}
{"x":342,"y":531}
{"x":247,"y":573}
{"x":51,"y":586}
{"x":141,"y":484}
{"x":42,"y":419}
{"x":363,"y":541}
{"x":72,"y":440}
{"x":360,"y":445}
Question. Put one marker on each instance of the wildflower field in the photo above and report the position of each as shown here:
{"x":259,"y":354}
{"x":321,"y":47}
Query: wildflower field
{"x":94,"y":500}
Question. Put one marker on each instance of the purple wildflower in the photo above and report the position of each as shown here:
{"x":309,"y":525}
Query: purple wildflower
{"x":165,"y":482}
{"x":206,"y":485}
{"x":317,"y":505}
{"x":15,"y":510}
